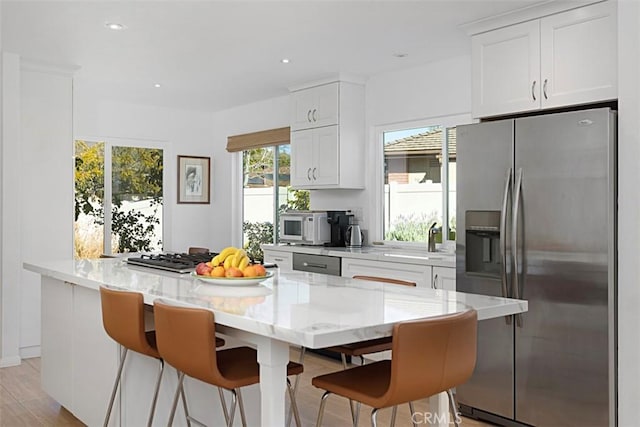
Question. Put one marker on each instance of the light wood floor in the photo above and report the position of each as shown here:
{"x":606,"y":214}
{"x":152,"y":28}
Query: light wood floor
{"x":23,"y":403}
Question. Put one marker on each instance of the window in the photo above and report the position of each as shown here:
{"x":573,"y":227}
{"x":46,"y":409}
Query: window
{"x":266,"y":193}
{"x":418,"y":180}
{"x":118,"y":199}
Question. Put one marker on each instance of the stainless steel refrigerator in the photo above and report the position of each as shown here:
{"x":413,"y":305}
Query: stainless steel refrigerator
{"x":536,"y":219}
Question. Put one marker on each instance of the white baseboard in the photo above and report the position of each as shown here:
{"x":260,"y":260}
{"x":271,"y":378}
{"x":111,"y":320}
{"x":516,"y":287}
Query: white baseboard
{"x":29,"y":352}
{"x":5,"y":362}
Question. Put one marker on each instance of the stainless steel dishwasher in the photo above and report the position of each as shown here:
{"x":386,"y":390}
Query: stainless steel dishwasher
{"x":320,"y":264}
{"x":317,"y":263}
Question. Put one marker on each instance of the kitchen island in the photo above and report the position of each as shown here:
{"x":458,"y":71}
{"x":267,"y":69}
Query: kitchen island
{"x":304,"y":309}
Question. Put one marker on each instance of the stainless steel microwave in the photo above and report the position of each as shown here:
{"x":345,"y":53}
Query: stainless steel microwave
{"x":305,"y":227}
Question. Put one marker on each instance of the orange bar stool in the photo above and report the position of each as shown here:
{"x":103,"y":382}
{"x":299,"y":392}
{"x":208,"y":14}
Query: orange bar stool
{"x":185,"y":341}
{"x":362,"y":348}
{"x":429,"y":357}
{"x":370,"y":346}
{"x":123,"y":320}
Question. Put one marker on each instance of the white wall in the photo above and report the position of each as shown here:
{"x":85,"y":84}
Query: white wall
{"x":179,"y":132}
{"x":434,"y":90}
{"x":269,"y":114}
{"x":183,"y":132}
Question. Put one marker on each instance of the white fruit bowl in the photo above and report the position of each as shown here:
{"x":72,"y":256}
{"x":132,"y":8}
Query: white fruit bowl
{"x":232,"y":281}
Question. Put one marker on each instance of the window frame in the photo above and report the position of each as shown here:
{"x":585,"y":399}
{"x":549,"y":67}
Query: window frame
{"x":377,"y":205}
{"x":238,"y":188}
{"x":109,"y":143}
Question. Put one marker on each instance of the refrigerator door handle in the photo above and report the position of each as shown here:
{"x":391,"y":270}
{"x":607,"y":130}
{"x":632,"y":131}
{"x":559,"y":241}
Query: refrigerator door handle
{"x":503,"y":237}
{"x":515,"y":291}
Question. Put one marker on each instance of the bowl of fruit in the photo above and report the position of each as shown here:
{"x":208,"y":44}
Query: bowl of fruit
{"x":231,"y":267}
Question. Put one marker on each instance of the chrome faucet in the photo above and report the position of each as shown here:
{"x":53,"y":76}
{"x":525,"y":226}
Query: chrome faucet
{"x":431,"y":237}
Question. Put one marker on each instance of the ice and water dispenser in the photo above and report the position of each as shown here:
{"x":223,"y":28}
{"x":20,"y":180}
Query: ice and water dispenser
{"x":483,"y":243}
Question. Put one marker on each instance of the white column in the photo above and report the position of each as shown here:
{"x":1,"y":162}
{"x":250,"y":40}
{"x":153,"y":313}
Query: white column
{"x":11,"y":212}
{"x":44,"y":177}
{"x":438,"y":411}
{"x":273,"y":356}
{"x":629,"y":212}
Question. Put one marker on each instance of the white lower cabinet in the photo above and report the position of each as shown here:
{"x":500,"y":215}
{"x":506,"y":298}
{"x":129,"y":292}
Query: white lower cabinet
{"x":421,"y":274}
{"x":444,"y":278}
{"x":284,"y":260}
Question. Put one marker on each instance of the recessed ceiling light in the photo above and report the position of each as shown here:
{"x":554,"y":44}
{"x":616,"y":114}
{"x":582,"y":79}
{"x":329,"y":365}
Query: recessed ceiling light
{"x":114,"y":26}
{"x":285,"y":60}
{"x":157,"y":85}
{"x":400,"y":55}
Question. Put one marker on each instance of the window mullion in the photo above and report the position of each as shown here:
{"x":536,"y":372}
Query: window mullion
{"x":276,"y":189}
{"x":108,"y":179}
{"x":445,"y":184}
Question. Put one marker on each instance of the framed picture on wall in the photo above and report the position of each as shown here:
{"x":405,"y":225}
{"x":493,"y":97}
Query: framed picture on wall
{"x":193,"y":179}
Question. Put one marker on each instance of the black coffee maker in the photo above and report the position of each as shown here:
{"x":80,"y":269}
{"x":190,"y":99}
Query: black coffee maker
{"x":340,"y":221}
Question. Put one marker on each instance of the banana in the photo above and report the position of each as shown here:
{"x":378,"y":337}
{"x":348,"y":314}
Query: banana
{"x":237,"y":259}
{"x":227,"y":251}
{"x":223,"y":255}
{"x":244,"y":262}
{"x":228,"y":262}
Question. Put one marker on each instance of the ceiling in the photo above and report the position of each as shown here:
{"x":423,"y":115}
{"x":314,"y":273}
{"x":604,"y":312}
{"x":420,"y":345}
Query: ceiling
{"x":213,"y":55}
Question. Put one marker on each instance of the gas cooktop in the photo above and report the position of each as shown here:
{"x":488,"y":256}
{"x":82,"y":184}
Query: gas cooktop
{"x":177,"y":263}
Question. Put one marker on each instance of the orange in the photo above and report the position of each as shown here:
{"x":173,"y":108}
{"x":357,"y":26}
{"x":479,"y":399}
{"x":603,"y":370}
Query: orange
{"x":249,"y":271}
{"x":217,"y":271}
{"x":260,"y":270}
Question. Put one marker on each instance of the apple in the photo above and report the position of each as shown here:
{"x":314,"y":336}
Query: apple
{"x":202,"y":269}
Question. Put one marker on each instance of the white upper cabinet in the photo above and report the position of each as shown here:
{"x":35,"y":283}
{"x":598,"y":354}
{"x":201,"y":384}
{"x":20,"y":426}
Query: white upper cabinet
{"x":579,"y":50}
{"x":560,"y":60}
{"x":314,"y":157}
{"x":506,"y":70}
{"x":327,"y":136}
{"x":315,"y":107}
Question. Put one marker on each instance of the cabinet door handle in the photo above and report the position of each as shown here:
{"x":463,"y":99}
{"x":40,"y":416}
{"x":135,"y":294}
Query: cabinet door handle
{"x":278,"y":259}
{"x":533,"y":90}
{"x":309,"y":116}
{"x":435,"y":282}
{"x":314,"y":174}
{"x":309,"y":174}
{"x":544,"y":89}
{"x":314,"y":115}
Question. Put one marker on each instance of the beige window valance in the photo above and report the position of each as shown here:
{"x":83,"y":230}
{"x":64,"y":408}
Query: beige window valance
{"x":260,"y":139}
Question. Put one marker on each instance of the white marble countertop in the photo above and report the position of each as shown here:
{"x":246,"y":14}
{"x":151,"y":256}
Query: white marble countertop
{"x":375,"y":253}
{"x":313,"y":310}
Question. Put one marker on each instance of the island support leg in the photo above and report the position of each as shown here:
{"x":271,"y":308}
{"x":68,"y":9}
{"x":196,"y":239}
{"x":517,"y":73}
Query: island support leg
{"x":438,"y":415}
{"x":273,"y":357}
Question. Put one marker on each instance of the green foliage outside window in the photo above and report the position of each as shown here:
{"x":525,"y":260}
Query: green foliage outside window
{"x":138,"y":173}
{"x":256,"y":234}
{"x":414,"y":228}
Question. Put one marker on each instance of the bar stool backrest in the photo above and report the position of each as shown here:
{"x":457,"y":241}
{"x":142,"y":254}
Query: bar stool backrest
{"x":431,"y":356}
{"x":123,"y":319}
{"x":186,"y":340}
